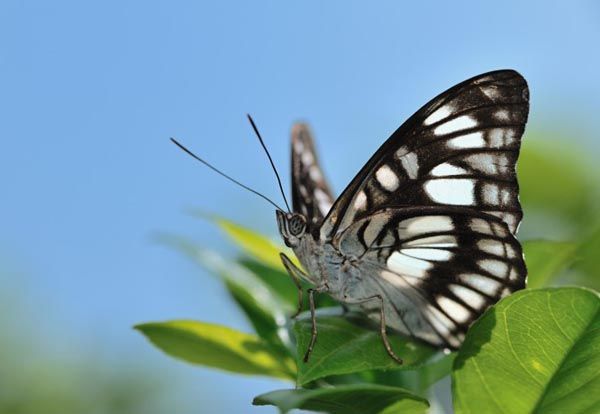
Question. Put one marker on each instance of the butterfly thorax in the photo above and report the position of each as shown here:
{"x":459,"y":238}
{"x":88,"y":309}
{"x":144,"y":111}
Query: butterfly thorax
{"x":329,"y":269}
{"x":319,"y":261}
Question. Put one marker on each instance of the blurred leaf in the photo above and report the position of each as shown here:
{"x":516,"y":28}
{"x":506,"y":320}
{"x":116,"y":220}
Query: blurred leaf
{"x":218,"y":347}
{"x":343,"y":347}
{"x":547,"y":259}
{"x":346,"y":399}
{"x":277,"y":279}
{"x":265,"y":311}
{"x":255,"y":244}
{"x":281,"y":283}
{"x":536,"y":351}
{"x":589,"y":258}
{"x":555,"y":177}
{"x":270,"y":325}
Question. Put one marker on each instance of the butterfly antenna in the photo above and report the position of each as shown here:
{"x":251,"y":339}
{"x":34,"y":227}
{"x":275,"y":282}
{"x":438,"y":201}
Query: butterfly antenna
{"x":270,"y":160}
{"x":223,"y":174}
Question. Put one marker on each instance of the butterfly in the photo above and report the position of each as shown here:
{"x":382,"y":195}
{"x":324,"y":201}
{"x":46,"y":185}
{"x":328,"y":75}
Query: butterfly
{"x":423,"y":239}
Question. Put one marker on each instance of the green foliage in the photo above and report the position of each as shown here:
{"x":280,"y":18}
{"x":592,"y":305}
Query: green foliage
{"x":534,"y":351}
{"x":216,"y":346}
{"x":345,"y":347}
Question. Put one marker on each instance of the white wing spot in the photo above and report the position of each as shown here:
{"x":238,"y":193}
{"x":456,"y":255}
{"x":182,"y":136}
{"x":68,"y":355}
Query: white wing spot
{"x":299,"y":146}
{"x":468,"y":296}
{"x":408,"y":266}
{"x":483,"y":284}
{"x":451,"y":191}
{"x":514,"y":276}
{"x":410,"y":163}
{"x":402,"y":151}
{"x":425,"y":224}
{"x":505,"y":197}
{"x":491,"y":195}
{"x":495,"y":267}
{"x":360,"y":203}
{"x":445,"y":170}
{"x":502,"y":115}
{"x":473,"y":140}
{"x":510,"y":251}
{"x":509,"y":136}
{"x":486,"y":163}
{"x":442,"y":324}
{"x":315,"y":173}
{"x":387,"y":178}
{"x":491,"y":246}
{"x":491,"y":92}
{"x":455,"y":310}
{"x":323,"y":200}
{"x":481,"y":226}
{"x":458,"y":124}
{"x":433,"y":241}
{"x":428,"y":254}
{"x":497,"y":137}
{"x":307,"y":158}
{"x":438,"y":115}
{"x":303,"y":190}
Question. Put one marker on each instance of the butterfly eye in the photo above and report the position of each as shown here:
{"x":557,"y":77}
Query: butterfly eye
{"x":296,"y":225}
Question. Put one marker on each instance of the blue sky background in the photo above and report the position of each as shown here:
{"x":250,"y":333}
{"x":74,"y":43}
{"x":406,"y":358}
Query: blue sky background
{"x":90,"y":92}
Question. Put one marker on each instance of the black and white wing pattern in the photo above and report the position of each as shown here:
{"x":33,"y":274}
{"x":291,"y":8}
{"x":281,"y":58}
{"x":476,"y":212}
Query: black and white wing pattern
{"x":459,"y":149}
{"x":432,"y":216}
{"x":437,"y":268}
{"x":311,"y":195}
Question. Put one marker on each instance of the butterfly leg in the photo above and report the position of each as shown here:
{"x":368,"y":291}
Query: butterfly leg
{"x":296,"y":274}
{"x":313,"y":319}
{"x":382,"y":326}
{"x":384,"y":337}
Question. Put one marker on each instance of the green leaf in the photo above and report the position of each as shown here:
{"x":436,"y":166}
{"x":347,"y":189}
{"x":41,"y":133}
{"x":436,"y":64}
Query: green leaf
{"x":547,"y":259}
{"x":347,"y":399}
{"x":217,"y":347}
{"x":344,"y":347}
{"x":534,"y":352}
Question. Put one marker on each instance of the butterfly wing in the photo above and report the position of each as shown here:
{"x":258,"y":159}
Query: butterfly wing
{"x":459,"y":149}
{"x":438,"y":268}
{"x":431,"y":217}
{"x":311,"y":195}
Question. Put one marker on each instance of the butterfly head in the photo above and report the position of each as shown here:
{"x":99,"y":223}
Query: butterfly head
{"x":292,"y":227}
